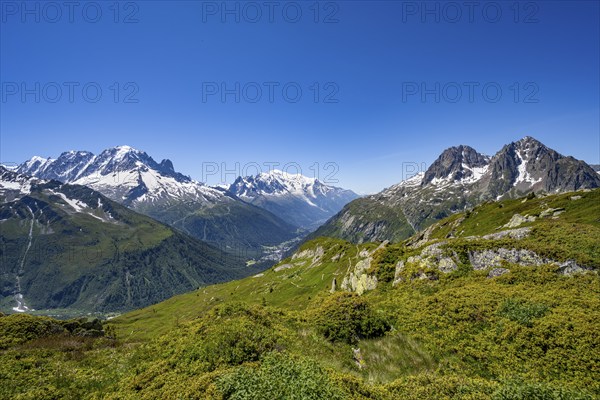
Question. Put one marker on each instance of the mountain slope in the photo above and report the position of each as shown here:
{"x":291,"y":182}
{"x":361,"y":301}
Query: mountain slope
{"x":433,"y":317}
{"x":560,"y":228}
{"x":302,"y":201}
{"x":460,"y":178}
{"x":132,"y":178}
{"x":67,"y":246}
{"x":427,"y":319}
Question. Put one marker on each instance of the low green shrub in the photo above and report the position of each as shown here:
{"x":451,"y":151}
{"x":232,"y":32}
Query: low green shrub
{"x":539,"y":391}
{"x":347,"y":317}
{"x":20,"y":328}
{"x":522,"y":311}
{"x":279,"y":376}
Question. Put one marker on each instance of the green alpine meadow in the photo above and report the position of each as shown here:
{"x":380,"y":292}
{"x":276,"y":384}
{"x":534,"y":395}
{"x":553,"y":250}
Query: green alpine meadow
{"x":499,"y":302}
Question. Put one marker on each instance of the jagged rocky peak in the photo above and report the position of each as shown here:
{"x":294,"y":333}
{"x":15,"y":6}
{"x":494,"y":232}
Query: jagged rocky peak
{"x":8,"y":176}
{"x":126,"y":158}
{"x":455,"y":163}
{"x":68,"y":166}
{"x":529,"y":165}
{"x":274,"y":182}
{"x":122,"y":158}
{"x":167,"y":165}
{"x":34,"y":166}
{"x":73,"y":166}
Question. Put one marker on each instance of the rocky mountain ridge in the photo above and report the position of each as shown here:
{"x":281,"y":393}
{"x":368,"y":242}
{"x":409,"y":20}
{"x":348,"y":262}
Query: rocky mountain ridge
{"x":459,"y":179}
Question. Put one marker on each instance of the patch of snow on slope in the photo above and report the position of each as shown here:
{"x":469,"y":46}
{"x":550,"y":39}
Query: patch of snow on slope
{"x":476,"y":173}
{"x":524,"y":176}
{"x":22,"y":185}
{"x":75,"y":204}
{"x":413,"y":180}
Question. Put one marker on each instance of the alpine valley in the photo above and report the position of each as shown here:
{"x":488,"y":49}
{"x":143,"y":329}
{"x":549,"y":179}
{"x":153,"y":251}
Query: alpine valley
{"x":475,"y":279}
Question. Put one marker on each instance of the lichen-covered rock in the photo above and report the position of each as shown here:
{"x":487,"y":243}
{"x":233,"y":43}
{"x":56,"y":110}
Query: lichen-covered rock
{"x":446,"y":265}
{"x":308,"y":253}
{"x":519,"y":219}
{"x":551,"y":212}
{"x":433,"y":250}
{"x":358,"y":358}
{"x":570,"y":268}
{"x":359,"y":283}
{"x":517,"y":234}
{"x":432,"y":257}
{"x":497,"y":272}
{"x":398,"y":271}
{"x":358,"y":280}
{"x":494,"y":258}
{"x":364,"y":253}
{"x":315,"y":255}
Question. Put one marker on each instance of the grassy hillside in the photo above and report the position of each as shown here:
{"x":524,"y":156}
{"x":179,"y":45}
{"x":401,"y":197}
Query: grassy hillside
{"x":103,"y":257}
{"x":363,"y":218}
{"x":418,"y":330}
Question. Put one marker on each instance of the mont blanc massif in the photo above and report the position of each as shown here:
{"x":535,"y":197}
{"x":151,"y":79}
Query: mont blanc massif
{"x":476,"y":278}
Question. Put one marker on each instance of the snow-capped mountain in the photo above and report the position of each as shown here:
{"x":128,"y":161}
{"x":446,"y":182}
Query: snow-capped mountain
{"x":300,"y":200}
{"x":68,"y":246}
{"x":14,"y":186}
{"x":462,"y":163}
{"x":133,"y":178}
{"x":124,"y":174}
{"x":460,"y":178}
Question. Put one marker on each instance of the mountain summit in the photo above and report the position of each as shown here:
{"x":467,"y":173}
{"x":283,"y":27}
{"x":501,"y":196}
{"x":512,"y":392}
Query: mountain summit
{"x":458,"y":179}
{"x":122,"y":173}
{"x":303,"y":201}
{"x":455,"y":164}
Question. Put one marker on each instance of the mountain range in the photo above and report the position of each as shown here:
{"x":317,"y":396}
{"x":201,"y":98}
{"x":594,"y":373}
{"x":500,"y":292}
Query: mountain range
{"x":68,"y":246}
{"x":256,"y":212}
{"x":152,"y":231}
{"x":458,"y":179}
{"x":302,"y":201}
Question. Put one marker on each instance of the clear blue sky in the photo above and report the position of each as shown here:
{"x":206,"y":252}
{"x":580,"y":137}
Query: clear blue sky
{"x":376,"y":57}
